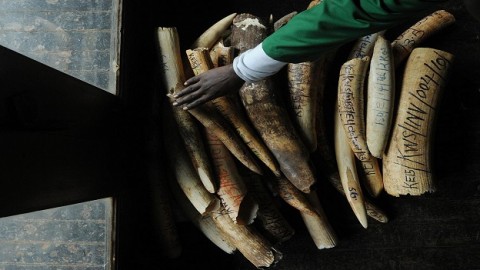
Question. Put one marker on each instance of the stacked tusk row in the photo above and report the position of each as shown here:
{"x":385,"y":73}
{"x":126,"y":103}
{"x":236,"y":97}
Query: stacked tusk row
{"x":235,"y":158}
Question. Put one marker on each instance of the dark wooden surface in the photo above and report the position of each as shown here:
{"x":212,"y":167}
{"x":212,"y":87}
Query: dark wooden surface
{"x":434,"y":231}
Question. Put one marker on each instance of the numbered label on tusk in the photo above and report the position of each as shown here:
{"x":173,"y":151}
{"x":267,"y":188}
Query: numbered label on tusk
{"x":351,"y":105}
{"x":411,"y":38}
{"x":407,"y":163}
{"x":364,"y":46}
{"x":348,"y":172}
{"x":381,"y":95}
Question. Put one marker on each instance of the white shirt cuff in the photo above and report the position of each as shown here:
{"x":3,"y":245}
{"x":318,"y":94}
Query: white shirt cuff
{"x":255,"y":65}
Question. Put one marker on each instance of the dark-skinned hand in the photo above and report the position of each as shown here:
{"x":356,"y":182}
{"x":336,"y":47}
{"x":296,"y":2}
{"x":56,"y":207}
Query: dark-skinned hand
{"x":207,"y":86}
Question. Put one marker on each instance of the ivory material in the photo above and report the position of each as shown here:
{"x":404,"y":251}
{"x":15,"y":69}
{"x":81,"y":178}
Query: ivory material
{"x":311,"y":212}
{"x":313,"y":3}
{"x":364,"y":46}
{"x":169,"y":55}
{"x":248,"y":241}
{"x":284,"y":20}
{"x":292,"y":196}
{"x":173,"y":77}
{"x":208,"y":38}
{"x":412,"y":37}
{"x":228,"y":108}
{"x":200,"y":61}
{"x":351,"y":105}
{"x":372,"y":176}
{"x":373,"y":210}
{"x":232,"y":190}
{"x":351,"y":108}
{"x":318,"y":226}
{"x":181,"y":166}
{"x":348,"y":171}
{"x":381,"y":97}
{"x":215,"y":123}
{"x":271,"y":121}
{"x":204,"y":223}
{"x":304,"y":80}
{"x":268,"y":115}
{"x":325,"y":157}
{"x":221,"y":55}
{"x":407,"y":163}
{"x":211,"y":119}
{"x":274,"y":224}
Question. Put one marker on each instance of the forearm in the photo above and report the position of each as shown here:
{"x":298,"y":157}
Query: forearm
{"x":335,"y":22}
{"x":254,"y":65}
{"x":324,"y":27}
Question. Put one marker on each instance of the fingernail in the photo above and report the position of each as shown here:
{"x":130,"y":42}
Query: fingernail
{"x":175,"y":103}
{"x":185,"y":108}
{"x":175,"y":96}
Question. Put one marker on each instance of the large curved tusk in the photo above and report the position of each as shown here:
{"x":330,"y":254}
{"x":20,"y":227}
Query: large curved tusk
{"x":208,"y":38}
{"x":412,"y":37}
{"x":232,"y":190}
{"x":407,"y":161}
{"x":204,"y":223}
{"x":304,"y":82}
{"x":221,"y":55}
{"x":348,"y":172}
{"x":200,"y":60}
{"x":181,"y":166}
{"x":373,"y":210}
{"x":212,"y":120}
{"x":267,"y":115}
{"x":276,"y":227}
{"x":248,"y":241}
{"x":351,"y":105}
{"x":381,"y":96}
{"x":351,"y":108}
{"x":173,"y":78}
{"x":318,"y":226}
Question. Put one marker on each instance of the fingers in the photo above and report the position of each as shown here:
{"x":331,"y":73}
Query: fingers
{"x":195,"y":103}
{"x":187,"y":90}
{"x":190,"y":97}
{"x":190,"y":101}
{"x":183,"y":100}
{"x":192,"y":80}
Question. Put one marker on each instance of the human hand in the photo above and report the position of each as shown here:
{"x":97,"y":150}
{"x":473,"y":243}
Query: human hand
{"x":207,"y":86}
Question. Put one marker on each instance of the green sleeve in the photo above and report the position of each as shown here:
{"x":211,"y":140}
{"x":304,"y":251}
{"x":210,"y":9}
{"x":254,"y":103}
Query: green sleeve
{"x":335,"y":22}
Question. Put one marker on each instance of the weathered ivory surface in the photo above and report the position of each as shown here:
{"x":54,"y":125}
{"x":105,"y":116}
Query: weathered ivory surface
{"x":407,"y":163}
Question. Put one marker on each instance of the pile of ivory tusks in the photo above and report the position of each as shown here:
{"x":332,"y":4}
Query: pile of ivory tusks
{"x":232,"y":158}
